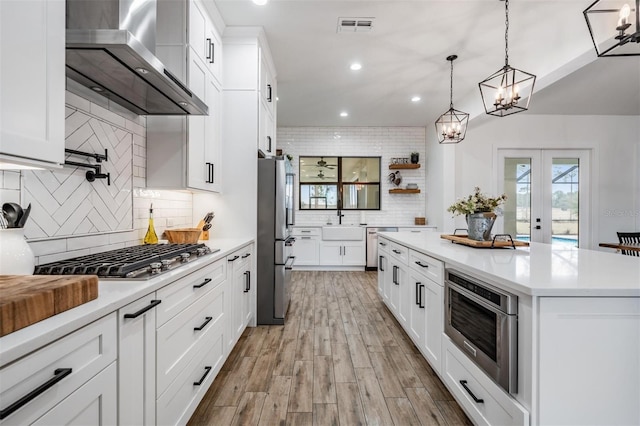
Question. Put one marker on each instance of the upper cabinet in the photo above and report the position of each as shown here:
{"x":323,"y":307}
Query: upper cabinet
{"x":32,"y":83}
{"x":184,"y":152}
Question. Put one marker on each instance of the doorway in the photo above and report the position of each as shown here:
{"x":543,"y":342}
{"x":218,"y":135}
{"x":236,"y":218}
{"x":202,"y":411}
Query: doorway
{"x":548,"y":195}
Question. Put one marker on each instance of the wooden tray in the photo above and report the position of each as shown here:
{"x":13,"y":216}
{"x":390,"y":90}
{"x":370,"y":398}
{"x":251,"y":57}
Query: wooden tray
{"x":465,"y":240}
{"x":27,"y":299}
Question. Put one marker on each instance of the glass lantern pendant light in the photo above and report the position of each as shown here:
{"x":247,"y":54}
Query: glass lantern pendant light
{"x":503,"y":91}
{"x":451,"y":126}
{"x":614,"y":27}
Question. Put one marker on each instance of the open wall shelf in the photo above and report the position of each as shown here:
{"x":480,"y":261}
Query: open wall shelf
{"x":403,"y":166}
{"x":404,"y":191}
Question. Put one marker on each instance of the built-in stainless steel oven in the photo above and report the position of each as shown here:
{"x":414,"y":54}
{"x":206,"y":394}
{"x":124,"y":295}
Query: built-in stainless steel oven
{"x":483,"y":321}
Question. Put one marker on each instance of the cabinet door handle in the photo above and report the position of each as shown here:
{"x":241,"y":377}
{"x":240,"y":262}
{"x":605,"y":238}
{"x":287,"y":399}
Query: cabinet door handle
{"x":58,"y":374}
{"x":213,"y":53}
{"x":476,"y":399}
{"x":209,"y":49}
{"x":269,"y":94}
{"x":150,"y":306}
{"x":417,"y":293}
{"x":380,"y":267}
{"x":207,"y":370}
{"x":204,"y":324}
{"x":344,"y":250}
{"x":421,"y":292}
{"x":395,"y":274}
{"x":421,"y":264}
{"x":233,"y":259}
{"x":247,"y":281}
{"x":208,"y":173}
{"x":397,"y":251}
{"x":212,"y":175}
{"x":246,"y":255}
{"x":203,"y":283}
{"x":269,"y":142}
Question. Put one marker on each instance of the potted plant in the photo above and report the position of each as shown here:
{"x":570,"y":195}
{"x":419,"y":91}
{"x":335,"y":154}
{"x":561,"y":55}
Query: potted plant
{"x":479,"y":210}
{"x":415,"y":157}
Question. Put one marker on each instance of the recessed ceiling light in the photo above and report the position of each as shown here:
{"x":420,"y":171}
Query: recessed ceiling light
{"x":142,"y":70}
{"x":344,"y":114}
{"x":415,"y":99}
{"x":260,"y":2}
{"x":97,"y":89}
{"x":355,"y":66}
{"x":277,"y":98}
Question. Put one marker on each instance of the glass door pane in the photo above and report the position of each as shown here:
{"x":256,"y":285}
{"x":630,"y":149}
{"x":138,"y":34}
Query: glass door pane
{"x":517,"y":186}
{"x":565,"y":201}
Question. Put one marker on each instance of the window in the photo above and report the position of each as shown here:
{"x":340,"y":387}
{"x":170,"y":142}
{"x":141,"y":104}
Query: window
{"x":347,"y":183}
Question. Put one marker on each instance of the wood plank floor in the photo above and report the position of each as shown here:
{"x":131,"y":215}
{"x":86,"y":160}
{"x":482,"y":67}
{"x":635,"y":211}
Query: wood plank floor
{"x":340,"y":359}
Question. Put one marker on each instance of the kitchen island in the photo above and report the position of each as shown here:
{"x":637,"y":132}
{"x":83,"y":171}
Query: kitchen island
{"x":578,"y":327}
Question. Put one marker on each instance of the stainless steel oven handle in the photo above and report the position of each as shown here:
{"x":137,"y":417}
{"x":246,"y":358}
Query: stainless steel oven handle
{"x":475,"y":298}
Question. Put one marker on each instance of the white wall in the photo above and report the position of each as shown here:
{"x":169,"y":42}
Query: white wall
{"x":613,"y":140}
{"x":386,"y":142}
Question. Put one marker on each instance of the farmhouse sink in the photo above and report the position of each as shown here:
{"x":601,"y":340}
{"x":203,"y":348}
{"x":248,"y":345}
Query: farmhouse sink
{"x":342,"y":232}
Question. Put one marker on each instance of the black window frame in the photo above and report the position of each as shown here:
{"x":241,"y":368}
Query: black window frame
{"x":340,"y":184}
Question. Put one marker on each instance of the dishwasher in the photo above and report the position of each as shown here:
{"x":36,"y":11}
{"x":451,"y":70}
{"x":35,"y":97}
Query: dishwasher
{"x":372,"y":246}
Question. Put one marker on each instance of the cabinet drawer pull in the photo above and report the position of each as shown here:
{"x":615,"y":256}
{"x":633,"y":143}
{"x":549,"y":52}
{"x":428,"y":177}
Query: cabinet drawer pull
{"x":421,"y":264}
{"x":150,"y":306}
{"x":383,"y":244}
{"x":207,"y":370}
{"x":233,"y":259}
{"x":397,"y":251}
{"x":207,"y":320}
{"x":247,"y":281}
{"x":476,"y":399}
{"x":58,"y":374}
{"x":246,"y":255}
{"x":203,"y":283}
{"x":306,"y":232}
{"x":305,"y":238}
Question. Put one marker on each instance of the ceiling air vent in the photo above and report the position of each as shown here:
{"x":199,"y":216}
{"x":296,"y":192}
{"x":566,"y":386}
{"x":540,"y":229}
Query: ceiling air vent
{"x":355,"y":25}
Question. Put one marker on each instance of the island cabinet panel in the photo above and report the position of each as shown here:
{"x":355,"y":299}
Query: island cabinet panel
{"x":582,"y":341}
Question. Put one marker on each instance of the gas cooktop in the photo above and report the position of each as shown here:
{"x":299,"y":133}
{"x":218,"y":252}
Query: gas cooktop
{"x":136,"y":262}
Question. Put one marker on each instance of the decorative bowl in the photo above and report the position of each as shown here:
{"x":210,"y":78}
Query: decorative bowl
{"x":183,"y":236}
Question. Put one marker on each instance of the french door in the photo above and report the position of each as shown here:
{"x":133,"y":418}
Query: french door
{"x":548,"y":195}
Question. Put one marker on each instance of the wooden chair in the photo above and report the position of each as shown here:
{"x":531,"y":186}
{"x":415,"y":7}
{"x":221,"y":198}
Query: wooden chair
{"x":629,"y":238}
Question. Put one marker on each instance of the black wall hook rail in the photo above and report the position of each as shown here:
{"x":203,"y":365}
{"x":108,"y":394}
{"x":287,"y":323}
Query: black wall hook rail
{"x":94,"y":174}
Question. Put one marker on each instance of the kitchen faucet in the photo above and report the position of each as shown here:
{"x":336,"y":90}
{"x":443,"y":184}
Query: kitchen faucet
{"x":340,"y":216}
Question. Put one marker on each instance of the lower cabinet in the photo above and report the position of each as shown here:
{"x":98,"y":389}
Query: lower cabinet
{"x":137,"y":362}
{"x":345,"y":253}
{"x":72,"y":380}
{"x":242,"y":295}
{"x":307,"y":250}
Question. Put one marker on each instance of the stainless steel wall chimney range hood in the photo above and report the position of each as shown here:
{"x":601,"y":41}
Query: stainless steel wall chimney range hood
{"x":111,"y":49}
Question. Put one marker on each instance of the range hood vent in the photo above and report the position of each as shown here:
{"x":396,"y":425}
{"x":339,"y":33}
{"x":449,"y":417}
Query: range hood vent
{"x":110,"y":49}
{"x":355,"y":25}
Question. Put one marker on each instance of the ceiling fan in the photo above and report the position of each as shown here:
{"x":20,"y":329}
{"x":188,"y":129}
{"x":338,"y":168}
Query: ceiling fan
{"x":321,"y":175}
{"x":324,"y":164}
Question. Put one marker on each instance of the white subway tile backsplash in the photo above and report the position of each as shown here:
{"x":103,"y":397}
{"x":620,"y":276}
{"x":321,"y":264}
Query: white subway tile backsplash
{"x":79,"y":243}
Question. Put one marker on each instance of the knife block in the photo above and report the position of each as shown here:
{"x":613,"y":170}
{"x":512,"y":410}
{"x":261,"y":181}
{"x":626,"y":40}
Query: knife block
{"x":204,"y":235}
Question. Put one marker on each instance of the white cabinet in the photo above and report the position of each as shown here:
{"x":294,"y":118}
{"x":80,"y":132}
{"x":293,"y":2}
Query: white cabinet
{"x":32,"y":82}
{"x":241,"y":298}
{"x":185,"y":152}
{"x":345,"y":253}
{"x":307,"y":246}
{"x":249,"y":70}
{"x":137,"y":362}
{"x":40,"y":383}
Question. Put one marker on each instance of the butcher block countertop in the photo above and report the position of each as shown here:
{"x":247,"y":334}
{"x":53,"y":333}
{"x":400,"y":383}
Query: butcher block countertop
{"x":27,"y":299}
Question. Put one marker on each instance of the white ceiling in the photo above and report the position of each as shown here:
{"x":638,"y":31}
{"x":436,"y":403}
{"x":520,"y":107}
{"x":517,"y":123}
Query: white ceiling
{"x":405,"y":55}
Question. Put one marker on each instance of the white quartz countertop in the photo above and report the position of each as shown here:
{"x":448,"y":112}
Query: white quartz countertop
{"x":539,"y":270}
{"x":112,"y":295}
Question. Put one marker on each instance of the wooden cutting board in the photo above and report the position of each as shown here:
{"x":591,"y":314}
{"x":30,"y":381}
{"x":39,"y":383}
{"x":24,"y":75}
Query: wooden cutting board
{"x":27,"y":299}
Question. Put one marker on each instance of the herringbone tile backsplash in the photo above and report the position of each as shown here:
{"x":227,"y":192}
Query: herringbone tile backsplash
{"x":64,"y":203}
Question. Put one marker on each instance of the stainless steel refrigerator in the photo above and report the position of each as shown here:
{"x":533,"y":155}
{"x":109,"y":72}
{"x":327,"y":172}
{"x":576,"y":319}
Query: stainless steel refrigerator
{"x":275,"y":219}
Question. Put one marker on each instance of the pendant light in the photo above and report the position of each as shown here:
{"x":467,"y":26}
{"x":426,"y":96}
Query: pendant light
{"x":451,"y":126}
{"x":614,"y":32}
{"x":503,"y":91}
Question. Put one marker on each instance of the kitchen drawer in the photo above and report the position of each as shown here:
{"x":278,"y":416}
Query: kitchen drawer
{"x":182,"y":293}
{"x":179,"y":402}
{"x":417,"y":230}
{"x":496,"y":408}
{"x":299,"y":232}
{"x":384,"y":245}
{"x":178,"y":342}
{"x":399,"y":252}
{"x":240,"y":258}
{"x":85,"y":352}
{"x":428,"y":266}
